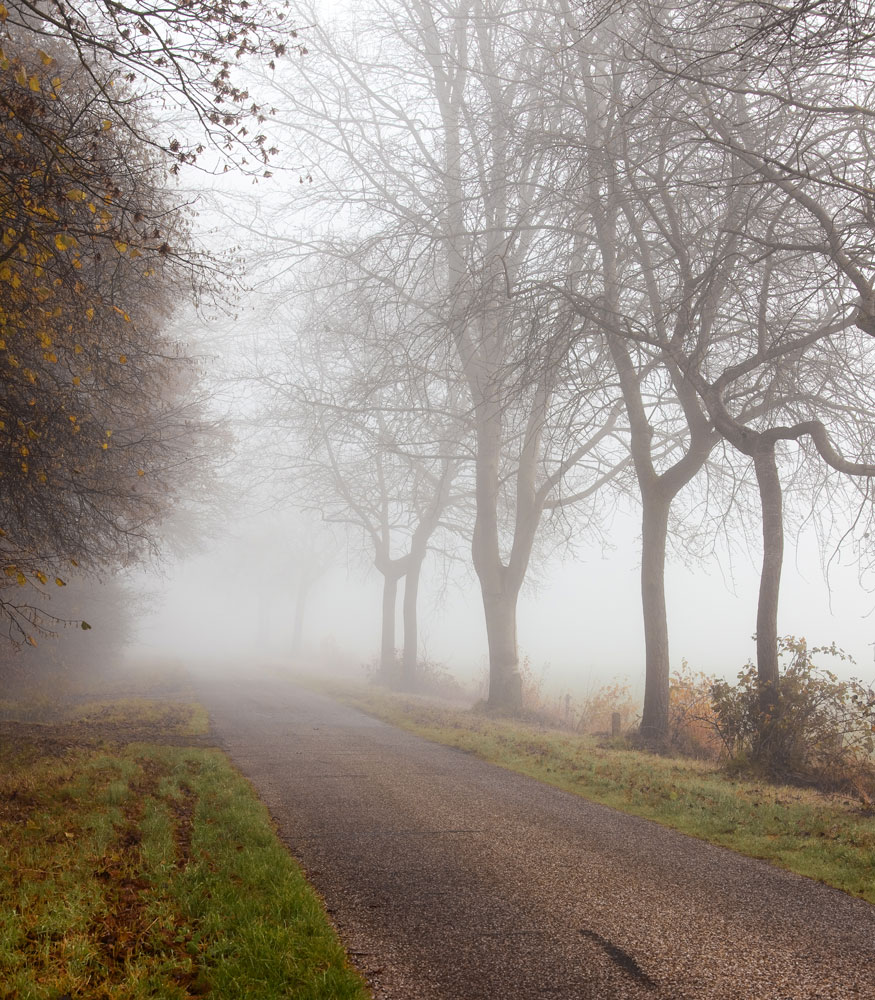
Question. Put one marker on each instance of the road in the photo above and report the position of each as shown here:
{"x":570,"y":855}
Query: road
{"x":452,"y":879}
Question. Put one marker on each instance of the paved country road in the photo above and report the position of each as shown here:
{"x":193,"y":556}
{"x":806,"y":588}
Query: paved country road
{"x":451,"y":879}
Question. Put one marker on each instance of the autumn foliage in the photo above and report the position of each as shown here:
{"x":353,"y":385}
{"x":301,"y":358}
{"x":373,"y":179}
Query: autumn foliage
{"x":97,"y":413}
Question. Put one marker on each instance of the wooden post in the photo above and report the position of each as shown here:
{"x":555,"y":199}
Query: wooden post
{"x":615,"y":725}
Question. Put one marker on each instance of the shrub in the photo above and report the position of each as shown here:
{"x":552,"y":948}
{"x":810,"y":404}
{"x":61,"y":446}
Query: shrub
{"x":597,"y":708}
{"x":821,"y":730}
{"x":691,"y":717}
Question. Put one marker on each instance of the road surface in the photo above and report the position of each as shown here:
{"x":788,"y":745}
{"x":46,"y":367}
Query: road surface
{"x":451,"y":879}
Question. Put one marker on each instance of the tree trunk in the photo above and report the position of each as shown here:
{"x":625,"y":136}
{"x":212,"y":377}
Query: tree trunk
{"x":305,"y":585}
{"x":654,"y":532}
{"x":409,"y":676}
{"x":769,"y":484}
{"x":505,"y":682}
{"x":388,"y":670}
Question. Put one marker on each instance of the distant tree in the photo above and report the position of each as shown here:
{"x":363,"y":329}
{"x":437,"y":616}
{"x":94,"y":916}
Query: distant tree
{"x":374,"y":446}
{"x":70,"y":652}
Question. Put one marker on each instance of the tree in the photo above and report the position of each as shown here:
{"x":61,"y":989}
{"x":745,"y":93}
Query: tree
{"x":99,"y":411}
{"x":180,"y":56}
{"x":781,"y":357}
{"x":446,"y":215}
{"x":375,"y":446}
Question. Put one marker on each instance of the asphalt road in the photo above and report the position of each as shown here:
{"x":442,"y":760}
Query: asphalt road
{"x":452,"y":879}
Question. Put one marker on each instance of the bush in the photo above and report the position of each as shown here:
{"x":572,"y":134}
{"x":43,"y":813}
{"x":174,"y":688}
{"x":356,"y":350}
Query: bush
{"x":598,"y":707}
{"x":821,"y":731}
{"x":691,"y":716}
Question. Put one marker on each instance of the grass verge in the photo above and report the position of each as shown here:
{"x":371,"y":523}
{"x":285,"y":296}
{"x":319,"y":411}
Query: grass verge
{"x":150,"y":871}
{"x":825,"y":837}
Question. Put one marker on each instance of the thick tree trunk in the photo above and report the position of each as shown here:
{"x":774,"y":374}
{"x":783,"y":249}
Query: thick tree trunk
{"x":387,"y":644}
{"x":409,"y":674}
{"x":499,"y":599}
{"x":769,"y":484}
{"x":654,"y":532}
{"x":505,"y":682}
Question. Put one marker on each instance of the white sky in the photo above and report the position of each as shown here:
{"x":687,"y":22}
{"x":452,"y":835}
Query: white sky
{"x":579,"y":627}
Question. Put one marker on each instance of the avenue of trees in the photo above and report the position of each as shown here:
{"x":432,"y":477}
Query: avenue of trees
{"x":563,"y":253}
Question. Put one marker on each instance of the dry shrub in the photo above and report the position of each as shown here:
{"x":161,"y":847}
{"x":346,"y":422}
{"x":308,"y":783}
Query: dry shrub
{"x":598,"y":708}
{"x":821,"y":731}
{"x":691,"y":714}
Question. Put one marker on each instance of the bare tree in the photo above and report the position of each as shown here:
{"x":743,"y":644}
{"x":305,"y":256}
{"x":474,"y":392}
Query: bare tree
{"x":424,"y":147}
{"x":376,"y":445}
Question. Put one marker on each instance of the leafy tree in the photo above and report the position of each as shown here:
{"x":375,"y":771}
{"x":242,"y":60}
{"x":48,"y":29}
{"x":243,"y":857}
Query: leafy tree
{"x":180,"y":55}
{"x":99,"y":411}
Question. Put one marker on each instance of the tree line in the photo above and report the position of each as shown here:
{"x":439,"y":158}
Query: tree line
{"x":546,"y":257}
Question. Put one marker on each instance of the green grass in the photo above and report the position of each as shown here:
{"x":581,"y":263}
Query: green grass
{"x":829,"y":838}
{"x":153,"y":872}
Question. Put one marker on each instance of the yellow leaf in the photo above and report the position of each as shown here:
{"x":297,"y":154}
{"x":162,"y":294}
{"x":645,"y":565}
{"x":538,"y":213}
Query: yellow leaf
{"x":89,"y":312}
{"x":56,"y":82}
{"x":31,"y":640}
{"x":64,"y":241}
{"x":60,"y":582}
{"x":51,"y":357}
{"x":141,"y":472}
{"x":104,"y":446}
{"x":33,"y":83}
{"x":45,"y":57}
{"x":41,"y":577}
{"x":20,"y":579}
{"x":76,"y":194}
{"x":123,"y":359}
{"x":76,"y":380}
{"x":121,"y":246}
{"x":21,"y":77}
{"x":107,"y":125}
{"x":4,"y":13}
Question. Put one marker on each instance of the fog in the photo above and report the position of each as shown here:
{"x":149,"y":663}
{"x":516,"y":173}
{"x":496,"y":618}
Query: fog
{"x":231,"y":608}
{"x":465,"y":340}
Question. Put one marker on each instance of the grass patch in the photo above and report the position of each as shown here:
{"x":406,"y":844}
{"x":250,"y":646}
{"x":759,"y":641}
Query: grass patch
{"x":152,"y":872}
{"x":825,"y":837}
{"x":178,"y":719}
